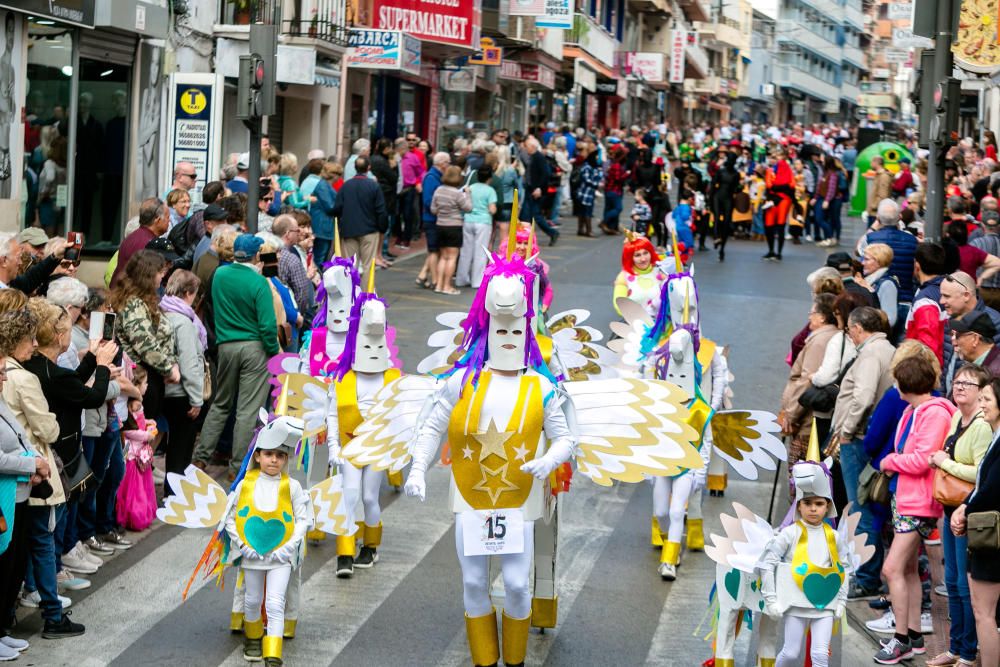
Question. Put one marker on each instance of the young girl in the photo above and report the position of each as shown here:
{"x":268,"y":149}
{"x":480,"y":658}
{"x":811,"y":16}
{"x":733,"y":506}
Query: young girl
{"x":642,"y":214}
{"x":797,"y":564}
{"x":265,"y":496}
{"x":136,"y":503}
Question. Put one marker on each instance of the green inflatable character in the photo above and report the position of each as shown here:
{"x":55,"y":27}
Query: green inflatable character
{"x":891,"y":154}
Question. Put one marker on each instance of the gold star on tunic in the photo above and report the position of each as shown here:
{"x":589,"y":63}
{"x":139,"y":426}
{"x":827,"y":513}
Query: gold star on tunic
{"x":492,"y":441}
{"x":494,"y":482}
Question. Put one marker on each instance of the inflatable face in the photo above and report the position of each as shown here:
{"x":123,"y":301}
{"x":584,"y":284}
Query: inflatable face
{"x":891,"y":154}
{"x":507,"y":307}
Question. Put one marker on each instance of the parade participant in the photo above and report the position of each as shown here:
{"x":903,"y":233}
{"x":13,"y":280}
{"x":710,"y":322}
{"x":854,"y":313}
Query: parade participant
{"x":364,"y":367}
{"x":641,"y":279}
{"x":527,"y":249}
{"x":780,"y":188}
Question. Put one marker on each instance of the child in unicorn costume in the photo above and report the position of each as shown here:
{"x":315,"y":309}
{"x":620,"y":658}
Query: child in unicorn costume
{"x":641,"y":278}
{"x":339,"y":288}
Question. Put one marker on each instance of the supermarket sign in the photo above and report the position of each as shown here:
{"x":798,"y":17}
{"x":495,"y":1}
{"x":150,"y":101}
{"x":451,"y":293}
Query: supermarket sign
{"x":455,"y":22}
{"x":383,"y":49}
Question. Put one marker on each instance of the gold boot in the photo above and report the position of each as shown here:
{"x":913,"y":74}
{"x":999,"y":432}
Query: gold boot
{"x":670,"y":556}
{"x":695,"y":535}
{"x":544,"y":612}
{"x":252,"y":633}
{"x":289,"y":629}
{"x":395,"y":479}
{"x":346,"y":545}
{"x":236,"y":621}
{"x":484,"y":644}
{"x":272,"y":651}
{"x":766,"y":662}
{"x":656,"y":537}
{"x":515,"y":639}
{"x":316,"y":536}
{"x":725,"y":662}
{"x":372,"y":535}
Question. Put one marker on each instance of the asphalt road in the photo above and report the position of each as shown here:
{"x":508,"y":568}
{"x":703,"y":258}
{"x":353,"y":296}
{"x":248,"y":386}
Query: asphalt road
{"x":614,"y":609}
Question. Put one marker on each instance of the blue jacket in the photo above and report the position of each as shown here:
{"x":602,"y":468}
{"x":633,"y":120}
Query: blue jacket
{"x":904,"y":248}
{"x":360,"y":208}
{"x":321,"y":210}
{"x":432,"y":181}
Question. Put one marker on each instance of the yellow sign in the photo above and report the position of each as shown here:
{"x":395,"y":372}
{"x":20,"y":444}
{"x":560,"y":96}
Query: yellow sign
{"x":193,"y":101}
{"x":488,"y":54}
{"x":976,"y":47}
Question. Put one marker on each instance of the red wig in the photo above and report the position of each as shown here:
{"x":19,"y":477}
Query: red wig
{"x":632,"y":246}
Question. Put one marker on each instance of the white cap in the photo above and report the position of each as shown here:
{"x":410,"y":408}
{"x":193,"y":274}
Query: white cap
{"x":282,"y":433}
{"x":243,"y":161}
{"x":316,"y":154}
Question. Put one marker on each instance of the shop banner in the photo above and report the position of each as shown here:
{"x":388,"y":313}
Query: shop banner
{"x":558,"y":14}
{"x":77,"y":12}
{"x":383,"y":49}
{"x":678,"y":42}
{"x":647,"y":67}
{"x":455,"y":22}
{"x":527,"y":7}
{"x":545,"y":77}
{"x":11,"y":104}
{"x":459,"y":81}
{"x":510,"y":70}
{"x":196,"y":125}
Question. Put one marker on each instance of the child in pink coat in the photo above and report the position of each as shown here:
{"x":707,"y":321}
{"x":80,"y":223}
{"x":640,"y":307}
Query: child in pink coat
{"x":136,"y":502}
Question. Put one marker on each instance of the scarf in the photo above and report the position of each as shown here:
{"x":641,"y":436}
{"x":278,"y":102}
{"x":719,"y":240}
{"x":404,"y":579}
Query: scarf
{"x":174,"y":304}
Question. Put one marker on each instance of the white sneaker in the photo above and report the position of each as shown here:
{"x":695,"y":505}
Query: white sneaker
{"x":809,"y":238}
{"x":84,"y":552}
{"x":667,"y":571}
{"x":14,"y":643}
{"x":885,"y":625}
{"x":926,"y":623}
{"x":70,"y":582}
{"x":34,"y":600}
{"x":7,"y":653}
{"x":75,"y":562}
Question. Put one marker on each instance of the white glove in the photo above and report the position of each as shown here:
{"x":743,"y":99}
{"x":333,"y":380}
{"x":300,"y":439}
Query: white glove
{"x":286,"y":552}
{"x":249,"y":553}
{"x":540,"y":467}
{"x":771,"y":608}
{"x":416,"y":485}
{"x":335,"y":458}
{"x":840,"y":609}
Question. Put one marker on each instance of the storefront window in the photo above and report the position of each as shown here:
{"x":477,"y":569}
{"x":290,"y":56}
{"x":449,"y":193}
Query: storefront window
{"x":101,"y":148}
{"x":50,"y":77}
{"x":408,"y":109}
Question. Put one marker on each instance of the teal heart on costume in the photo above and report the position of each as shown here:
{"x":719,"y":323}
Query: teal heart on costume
{"x":761,"y":605}
{"x":244,"y":511}
{"x":264,"y":536}
{"x":753,"y":585}
{"x":732,"y":582}
{"x":821,"y":589}
{"x":802,"y":569}
{"x":286,"y":516}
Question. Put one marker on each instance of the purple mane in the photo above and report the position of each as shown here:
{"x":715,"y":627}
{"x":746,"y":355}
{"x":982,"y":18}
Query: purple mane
{"x":319,"y":320}
{"x":346,"y":360}
{"x":656,"y":333}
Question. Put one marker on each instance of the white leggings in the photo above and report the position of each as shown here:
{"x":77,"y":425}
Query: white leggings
{"x":516,"y":577}
{"x":821,"y":629}
{"x":364,"y":483}
{"x":670,"y":497}
{"x":277,"y":582}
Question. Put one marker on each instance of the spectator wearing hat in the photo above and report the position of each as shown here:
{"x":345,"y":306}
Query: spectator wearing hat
{"x":959,"y":297}
{"x":973,"y":336}
{"x":239,"y":183}
{"x":847,"y":269}
{"x":903,"y":183}
{"x":213,"y":215}
{"x":154,"y":221}
{"x":32,"y":242}
{"x":247,"y":336}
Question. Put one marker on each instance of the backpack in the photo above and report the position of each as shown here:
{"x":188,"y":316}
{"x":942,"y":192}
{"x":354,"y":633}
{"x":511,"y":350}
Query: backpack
{"x":575,"y":179}
{"x":178,"y":236}
{"x":554,"y":181}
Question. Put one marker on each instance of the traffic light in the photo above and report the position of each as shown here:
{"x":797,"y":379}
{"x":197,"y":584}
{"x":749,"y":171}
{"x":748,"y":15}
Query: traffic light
{"x":947,"y":101}
{"x":248,"y":92}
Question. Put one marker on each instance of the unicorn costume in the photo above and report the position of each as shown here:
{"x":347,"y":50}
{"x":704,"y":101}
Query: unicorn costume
{"x":643,"y":286}
{"x":340,"y":287}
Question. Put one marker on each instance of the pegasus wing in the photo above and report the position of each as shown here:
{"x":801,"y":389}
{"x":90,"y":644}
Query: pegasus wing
{"x":383,"y":439}
{"x":198,"y":500}
{"x":747,"y":440}
{"x":577,"y":349}
{"x":629,"y":429}
{"x":743,"y":542}
{"x":331,"y":512}
{"x":859,"y":551}
{"x":445,"y":343}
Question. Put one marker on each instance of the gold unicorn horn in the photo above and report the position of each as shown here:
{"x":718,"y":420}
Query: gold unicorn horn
{"x":336,"y":239}
{"x":812,"y":452}
{"x":686,"y":317}
{"x":678,"y":264}
{"x":371,"y":277}
{"x":630,"y":236}
{"x":512,"y":228}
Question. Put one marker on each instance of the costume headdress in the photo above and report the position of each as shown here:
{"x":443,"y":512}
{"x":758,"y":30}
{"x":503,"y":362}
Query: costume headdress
{"x":366,"y":330}
{"x":333,"y":282}
{"x":811,"y":478}
{"x":634,"y":243}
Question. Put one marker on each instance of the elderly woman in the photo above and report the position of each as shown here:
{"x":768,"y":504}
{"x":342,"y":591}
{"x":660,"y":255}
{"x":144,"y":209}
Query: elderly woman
{"x":360,"y":148}
{"x":875,"y":264}
{"x":179,"y":203}
{"x":322,"y":197}
{"x":288,"y":172}
{"x":963,"y":451}
{"x":984,"y":564}
{"x":28,"y":467}
{"x":795,"y":419}
{"x":450,"y":204}
{"x":183,"y":401}
{"x":70,"y":294}
{"x":144,"y":333}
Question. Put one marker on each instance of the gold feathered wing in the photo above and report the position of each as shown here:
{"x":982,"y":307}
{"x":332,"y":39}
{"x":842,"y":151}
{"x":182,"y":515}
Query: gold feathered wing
{"x":577,"y":348}
{"x":445,"y":343}
{"x":300,"y":396}
{"x":747,"y":440}
{"x":331,"y":513}
{"x":383,"y":439}
{"x":198,"y":500}
{"x":629,"y":429}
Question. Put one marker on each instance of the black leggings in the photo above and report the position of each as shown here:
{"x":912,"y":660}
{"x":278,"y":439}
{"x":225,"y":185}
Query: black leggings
{"x":723,"y":221}
{"x":183,"y":430}
{"x":13,"y":565}
{"x":775,"y":232}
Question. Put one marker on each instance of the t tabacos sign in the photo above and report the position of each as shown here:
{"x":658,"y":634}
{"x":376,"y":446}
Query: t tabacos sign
{"x":454,"y":22}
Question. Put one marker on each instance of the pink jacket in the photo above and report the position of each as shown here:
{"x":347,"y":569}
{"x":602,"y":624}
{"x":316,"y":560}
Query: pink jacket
{"x":915,"y":487}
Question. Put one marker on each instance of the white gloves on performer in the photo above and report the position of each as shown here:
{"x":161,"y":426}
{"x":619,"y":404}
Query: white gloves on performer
{"x":558,"y":453}
{"x":416,"y":485}
{"x":247,"y":552}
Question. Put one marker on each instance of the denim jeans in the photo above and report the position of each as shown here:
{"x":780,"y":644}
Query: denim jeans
{"x":612,"y":209}
{"x":833,"y":217}
{"x":956,"y":580}
{"x":531,"y":211}
{"x":44,"y":561}
{"x":556,"y":203}
{"x":321,"y":251}
{"x":822,"y":225}
{"x":65,"y":535}
{"x":852,"y":462}
{"x":92,"y":512}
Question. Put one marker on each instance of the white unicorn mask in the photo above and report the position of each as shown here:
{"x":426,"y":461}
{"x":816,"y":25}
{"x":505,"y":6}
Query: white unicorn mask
{"x":341,"y":292}
{"x":371,"y":351}
{"x":508,"y":310}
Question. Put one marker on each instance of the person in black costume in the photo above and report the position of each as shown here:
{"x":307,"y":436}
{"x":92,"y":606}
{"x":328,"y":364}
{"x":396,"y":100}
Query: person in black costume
{"x":724,"y":186}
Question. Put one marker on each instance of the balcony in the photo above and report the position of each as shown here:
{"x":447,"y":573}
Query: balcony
{"x":793,"y":31}
{"x":306,"y":21}
{"x":724,"y":32}
{"x":650,"y":6}
{"x":855,"y":17}
{"x":849,"y":92}
{"x":827,"y":8}
{"x":855,"y":56}
{"x":710,"y":85}
{"x":694,"y":10}
{"x":592,"y":38}
{"x":787,"y":76}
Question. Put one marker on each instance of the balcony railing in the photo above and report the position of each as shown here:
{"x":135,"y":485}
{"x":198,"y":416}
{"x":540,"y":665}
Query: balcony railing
{"x":790,"y":76}
{"x":593,"y":38}
{"x":793,"y":31}
{"x":245,"y":12}
{"x":316,"y":19}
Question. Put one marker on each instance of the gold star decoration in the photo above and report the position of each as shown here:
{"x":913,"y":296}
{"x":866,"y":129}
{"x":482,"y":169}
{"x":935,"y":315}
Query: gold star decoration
{"x":494,"y":482}
{"x":492,"y":441}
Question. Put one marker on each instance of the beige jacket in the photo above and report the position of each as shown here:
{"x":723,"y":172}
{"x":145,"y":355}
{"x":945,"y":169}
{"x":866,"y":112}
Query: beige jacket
{"x":23,"y":394}
{"x":880,"y":188}
{"x":863,"y":386}
{"x":806,"y":364}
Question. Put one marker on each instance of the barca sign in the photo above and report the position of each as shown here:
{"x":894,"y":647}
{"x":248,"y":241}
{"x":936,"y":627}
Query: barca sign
{"x":383,"y":49}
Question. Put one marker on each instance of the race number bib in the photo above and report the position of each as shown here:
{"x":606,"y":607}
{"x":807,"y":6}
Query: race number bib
{"x":493,"y":532}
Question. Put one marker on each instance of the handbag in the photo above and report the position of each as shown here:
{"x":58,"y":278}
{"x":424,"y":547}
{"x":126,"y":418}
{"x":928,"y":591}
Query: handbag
{"x":74,"y":474}
{"x":949,"y":490}
{"x":824,"y":399}
{"x":983,"y":529}
{"x":880,"y":492}
{"x":206,"y":392}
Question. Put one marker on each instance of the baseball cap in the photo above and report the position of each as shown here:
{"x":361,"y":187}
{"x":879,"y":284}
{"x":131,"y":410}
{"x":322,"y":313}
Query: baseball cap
{"x":991,"y":218}
{"x":215,"y":213}
{"x":32,"y":236}
{"x":246,"y":247}
{"x":243,"y":161}
{"x":163,"y":246}
{"x":840,"y":261}
{"x":975,"y":322}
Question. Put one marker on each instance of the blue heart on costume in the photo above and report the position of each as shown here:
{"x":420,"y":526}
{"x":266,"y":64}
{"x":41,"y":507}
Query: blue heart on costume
{"x":264,"y":536}
{"x":821,"y":589}
{"x":732,"y":582}
{"x":802,"y":569}
{"x":245,"y":511}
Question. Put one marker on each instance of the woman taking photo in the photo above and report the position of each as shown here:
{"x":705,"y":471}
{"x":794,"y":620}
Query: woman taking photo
{"x":922,"y":431}
{"x":450,"y":204}
{"x":984,"y":564}
{"x":963,"y":451}
{"x":144,"y":332}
